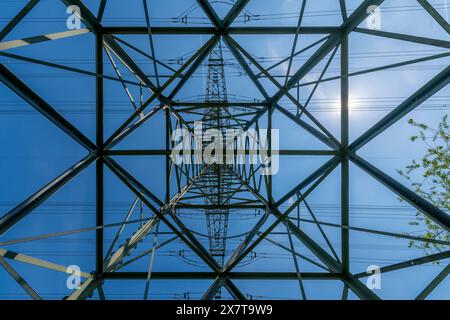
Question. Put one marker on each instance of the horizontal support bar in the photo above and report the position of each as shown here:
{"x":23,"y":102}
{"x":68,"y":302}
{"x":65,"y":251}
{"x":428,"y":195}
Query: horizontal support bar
{"x":162,"y":152}
{"x":223,"y":207}
{"x":405,"y":37}
{"x":212,"y":275}
{"x":409,"y":263}
{"x":215,"y":104}
{"x":41,"y":38}
{"x":212,"y":30}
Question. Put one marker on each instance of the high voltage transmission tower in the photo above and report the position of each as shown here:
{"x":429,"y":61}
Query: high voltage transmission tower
{"x":127,"y":248}
{"x":217,"y":181}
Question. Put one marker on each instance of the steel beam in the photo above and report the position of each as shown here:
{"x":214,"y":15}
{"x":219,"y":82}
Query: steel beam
{"x":88,"y":18}
{"x":434,"y":283}
{"x":19,"y":257}
{"x":24,"y":208}
{"x":409,"y":263}
{"x":67,"y":68}
{"x":15,"y":21}
{"x":404,"y":37}
{"x":263,"y":30}
{"x":313,"y":131}
{"x":378,"y":232}
{"x":19,"y":279}
{"x":345,"y":181}
{"x":237,"y":8}
{"x":27,"y":94}
{"x":210,"y":12}
{"x":101,"y":10}
{"x":233,"y":290}
{"x":212,"y":290}
{"x":326,"y":166}
{"x":162,"y":152}
{"x":434,"y":213}
{"x":114,"y":140}
{"x":6,"y":45}
{"x":99,"y":176}
{"x":85,"y":290}
{"x":435,"y":14}
{"x":370,"y":70}
{"x":417,"y":98}
{"x":220,"y":282}
{"x":343,"y":8}
{"x":270,"y":276}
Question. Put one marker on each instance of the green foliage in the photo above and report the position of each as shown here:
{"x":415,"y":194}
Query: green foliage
{"x":434,"y":185}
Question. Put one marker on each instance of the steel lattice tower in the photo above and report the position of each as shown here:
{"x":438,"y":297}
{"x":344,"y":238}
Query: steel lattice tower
{"x":218,"y":186}
{"x":220,"y":191}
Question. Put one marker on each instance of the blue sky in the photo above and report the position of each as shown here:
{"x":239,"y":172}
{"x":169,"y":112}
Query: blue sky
{"x":35,"y":151}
